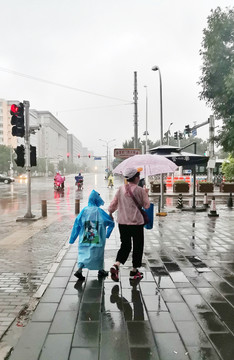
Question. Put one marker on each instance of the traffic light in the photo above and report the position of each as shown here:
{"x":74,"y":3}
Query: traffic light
{"x":68,"y":155}
{"x":33,"y":155}
{"x":180,"y":136}
{"x":78,"y":156}
{"x":187,"y":130}
{"x":89,"y":155}
{"x":17,"y":120}
{"x":176,"y":135}
{"x":20,"y":155}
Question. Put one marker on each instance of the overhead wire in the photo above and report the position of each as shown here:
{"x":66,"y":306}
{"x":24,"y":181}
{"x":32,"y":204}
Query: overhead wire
{"x":59,"y":84}
{"x":94,"y":107}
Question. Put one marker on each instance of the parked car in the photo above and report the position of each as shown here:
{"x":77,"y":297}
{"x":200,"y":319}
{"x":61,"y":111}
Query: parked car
{"x":6,"y":179}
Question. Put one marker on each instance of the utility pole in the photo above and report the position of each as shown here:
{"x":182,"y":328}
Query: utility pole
{"x":135,"y":98}
{"x":28,"y":164}
{"x":211,"y":162}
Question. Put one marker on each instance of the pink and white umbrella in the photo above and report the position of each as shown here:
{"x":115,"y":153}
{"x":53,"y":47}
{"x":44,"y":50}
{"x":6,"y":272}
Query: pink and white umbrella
{"x":150,"y":164}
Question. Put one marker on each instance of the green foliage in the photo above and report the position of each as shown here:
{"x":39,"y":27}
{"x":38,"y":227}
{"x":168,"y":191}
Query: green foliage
{"x":228,"y":169}
{"x":217,"y":78}
{"x":5,"y":157}
{"x":202,"y":145}
{"x":204,"y":182}
{"x":180,"y":182}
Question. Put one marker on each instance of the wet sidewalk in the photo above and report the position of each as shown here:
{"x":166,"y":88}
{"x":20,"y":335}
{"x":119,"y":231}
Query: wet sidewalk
{"x":182,"y":309}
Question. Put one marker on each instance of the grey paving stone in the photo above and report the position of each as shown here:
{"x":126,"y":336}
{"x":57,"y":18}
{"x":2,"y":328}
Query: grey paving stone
{"x":84,"y":353}
{"x":154,"y":303}
{"x":180,"y":311}
{"x":45,"y":312}
{"x":224,"y":345}
{"x":59,"y":282}
{"x":197,"y":353}
{"x":115,"y":338}
{"x":162,"y":322}
{"x":64,"y":322}
{"x":165,"y":282}
{"x":144,"y":353}
{"x":92,"y":295}
{"x":224,"y":310}
{"x":64,"y":271}
{"x":89,"y":312}
{"x":171,"y":295}
{"x":148,"y":288}
{"x":139,"y":334}
{"x":68,"y":263}
{"x":31,"y":342}
{"x":86,"y":334}
{"x":192,"y":334}
{"x":112,"y":322}
{"x":196,"y":303}
{"x":56,"y":347}
{"x":69,"y":302}
{"x":210,"y":295}
{"x":210,"y":322}
{"x":52,"y":295}
{"x":170,"y":347}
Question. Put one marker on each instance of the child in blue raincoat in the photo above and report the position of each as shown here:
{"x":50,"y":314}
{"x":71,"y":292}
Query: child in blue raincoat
{"x":91,"y":226}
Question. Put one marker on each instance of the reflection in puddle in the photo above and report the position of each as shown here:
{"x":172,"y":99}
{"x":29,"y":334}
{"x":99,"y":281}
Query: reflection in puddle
{"x":133,"y":311}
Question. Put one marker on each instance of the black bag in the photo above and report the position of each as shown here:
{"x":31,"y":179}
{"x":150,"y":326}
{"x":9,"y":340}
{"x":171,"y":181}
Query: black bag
{"x":145,"y":216}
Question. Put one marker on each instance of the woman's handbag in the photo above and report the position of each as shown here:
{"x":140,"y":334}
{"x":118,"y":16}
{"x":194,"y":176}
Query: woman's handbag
{"x":148,"y":214}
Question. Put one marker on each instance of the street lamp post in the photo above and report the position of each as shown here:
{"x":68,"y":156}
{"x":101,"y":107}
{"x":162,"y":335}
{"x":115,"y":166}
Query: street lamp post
{"x":146,"y":119}
{"x":107,"y":151}
{"x":156,"y":68}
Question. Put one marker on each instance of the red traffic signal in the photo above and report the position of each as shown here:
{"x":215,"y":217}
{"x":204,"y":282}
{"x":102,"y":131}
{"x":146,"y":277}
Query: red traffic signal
{"x":78,"y":155}
{"x":14,"y":109}
{"x":68,"y":155}
{"x":89,"y":155}
{"x":17,"y":120}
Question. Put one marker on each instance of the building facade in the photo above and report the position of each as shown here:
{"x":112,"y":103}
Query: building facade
{"x":74,"y":149}
{"x":52,"y":138}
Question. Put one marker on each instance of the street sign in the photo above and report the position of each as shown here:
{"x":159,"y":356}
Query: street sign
{"x":126,"y":153}
{"x":97,"y":158}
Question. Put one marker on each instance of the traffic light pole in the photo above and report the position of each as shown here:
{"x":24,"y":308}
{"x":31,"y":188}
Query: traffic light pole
{"x":28,"y":214}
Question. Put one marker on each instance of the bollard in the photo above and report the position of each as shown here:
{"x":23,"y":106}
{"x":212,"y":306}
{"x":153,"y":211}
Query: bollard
{"x":180,"y":202}
{"x":230,"y":202}
{"x":205,"y":201}
{"x":77,"y":206}
{"x":44,"y":208}
{"x":213,"y":208}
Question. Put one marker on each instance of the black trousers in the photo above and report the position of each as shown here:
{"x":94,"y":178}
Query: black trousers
{"x":131,"y":234}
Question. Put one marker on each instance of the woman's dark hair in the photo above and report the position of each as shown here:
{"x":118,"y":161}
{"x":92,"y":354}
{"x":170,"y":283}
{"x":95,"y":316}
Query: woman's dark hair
{"x":133,"y":178}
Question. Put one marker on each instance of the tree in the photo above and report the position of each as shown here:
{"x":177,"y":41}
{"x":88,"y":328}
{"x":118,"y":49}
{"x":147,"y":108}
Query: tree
{"x":202,"y":145}
{"x":5,"y":157}
{"x":228,"y":169}
{"x":217,"y":79}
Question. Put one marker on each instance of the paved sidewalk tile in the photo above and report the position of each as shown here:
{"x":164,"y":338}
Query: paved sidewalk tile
{"x":180,"y":309}
{"x":56,"y":347}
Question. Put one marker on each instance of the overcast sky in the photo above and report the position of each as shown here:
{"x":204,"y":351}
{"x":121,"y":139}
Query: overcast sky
{"x":95,"y":46}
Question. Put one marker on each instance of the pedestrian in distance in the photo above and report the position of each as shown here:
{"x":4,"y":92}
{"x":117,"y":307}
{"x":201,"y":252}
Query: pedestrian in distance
{"x":131,"y":223}
{"x":93,"y":225}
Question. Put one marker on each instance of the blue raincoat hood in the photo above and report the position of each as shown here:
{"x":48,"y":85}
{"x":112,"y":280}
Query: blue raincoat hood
{"x":95,"y":199}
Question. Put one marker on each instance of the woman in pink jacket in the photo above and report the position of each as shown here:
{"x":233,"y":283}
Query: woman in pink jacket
{"x":131,"y":223}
